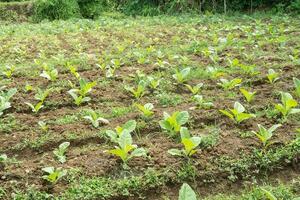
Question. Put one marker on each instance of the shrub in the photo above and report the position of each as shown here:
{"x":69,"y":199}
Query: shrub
{"x":55,"y":9}
{"x":93,"y":8}
{"x":295,"y":6}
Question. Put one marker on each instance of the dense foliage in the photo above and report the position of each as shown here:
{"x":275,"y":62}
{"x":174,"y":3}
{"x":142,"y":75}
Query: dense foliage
{"x":55,"y":9}
{"x":62,"y":9}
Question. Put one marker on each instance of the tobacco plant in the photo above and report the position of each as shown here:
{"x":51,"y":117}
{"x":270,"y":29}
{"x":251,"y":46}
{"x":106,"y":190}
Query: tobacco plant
{"x":272,"y":76}
{"x":190,"y":144}
{"x":3,"y":158}
{"x":49,"y":73}
{"x":214,"y":72}
{"x":182,"y":75}
{"x":187,"y":193}
{"x":41,"y":95}
{"x":37,"y":107}
{"x":126,"y":149}
{"x":73,"y":70}
{"x":173,"y":123}
{"x":95,"y":118}
{"x":248,"y":95}
{"x":4,"y":99}
{"x":44,"y":127}
{"x":287,"y":106}
{"x":61,"y":151}
{"x":146,"y":109}
{"x":194,"y":89}
{"x":28,"y":88}
{"x":264,"y":135}
{"x":201,"y":102}
{"x":228,"y":85}
{"x":237,"y":114}
{"x":139,"y":91}
{"x":53,"y":175}
{"x":128,"y":126}
{"x":153,"y":82}
{"x":8,"y":72}
{"x":297,"y":86}
{"x":79,"y":94}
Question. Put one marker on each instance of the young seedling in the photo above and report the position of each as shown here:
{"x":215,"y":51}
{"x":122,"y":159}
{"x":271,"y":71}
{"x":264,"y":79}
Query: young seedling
{"x":9,"y":94}
{"x":297,"y":86}
{"x":264,"y":135}
{"x":8,"y":72}
{"x":228,"y":85}
{"x":237,"y":114}
{"x":288,"y":105}
{"x":182,"y":76}
{"x":189,"y":143}
{"x":73,"y":70}
{"x":95,"y":118}
{"x":139,"y":91}
{"x":78,"y":100}
{"x":49,"y":73}
{"x":272,"y":76}
{"x":61,"y":151}
{"x":248,"y":95}
{"x":214,"y":72}
{"x":41,"y":95}
{"x":125,"y":149}
{"x":153,"y":82}
{"x":35,"y":108}
{"x":85,"y":87}
{"x":249,"y":69}
{"x":53,"y":175}
{"x":79,"y":95}
{"x":146,"y":109}
{"x":3,"y":161}
{"x":28,"y":88}
{"x":173,"y":123}
{"x":4,"y":104}
{"x":110,"y":72}
{"x":201,"y":103}
{"x":43,"y":126}
{"x":194,"y":89}
{"x":187,"y":193}
{"x":4,"y":99}
{"x":128,"y":126}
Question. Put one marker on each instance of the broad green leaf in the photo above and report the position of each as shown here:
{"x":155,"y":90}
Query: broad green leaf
{"x":182,"y":117}
{"x":187,"y":193}
{"x":138,"y":152}
{"x":239,"y":107}
{"x":175,"y":152}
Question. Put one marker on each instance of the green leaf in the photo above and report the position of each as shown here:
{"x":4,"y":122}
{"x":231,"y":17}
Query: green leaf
{"x":187,"y":193}
{"x":238,"y":107}
{"x":182,"y":117}
{"x":129,"y":126}
{"x":184,"y":133}
{"x":138,"y":152}
{"x":225,"y":112}
{"x":268,"y":194}
{"x":113,"y":135}
{"x":175,"y":152}
{"x":120,"y":153}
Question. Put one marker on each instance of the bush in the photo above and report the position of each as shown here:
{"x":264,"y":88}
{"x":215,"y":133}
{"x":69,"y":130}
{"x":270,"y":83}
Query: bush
{"x":295,"y":6}
{"x":93,"y":8}
{"x":55,"y":9}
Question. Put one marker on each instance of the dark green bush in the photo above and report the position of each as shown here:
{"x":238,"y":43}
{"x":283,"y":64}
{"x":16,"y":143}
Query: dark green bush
{"x":295,"y":6}
{"x":93,"y":8}
{"x":55,"y":9}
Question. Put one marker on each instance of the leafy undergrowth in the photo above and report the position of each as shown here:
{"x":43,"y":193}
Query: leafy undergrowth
{"x":127,"y":108}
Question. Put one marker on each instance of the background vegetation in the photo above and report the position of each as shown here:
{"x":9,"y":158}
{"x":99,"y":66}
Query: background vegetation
{"x":64,"y":9}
